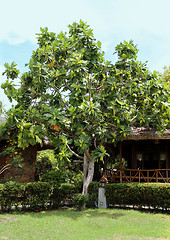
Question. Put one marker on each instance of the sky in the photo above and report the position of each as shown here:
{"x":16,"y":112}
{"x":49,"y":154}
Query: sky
{"x":146,"y":22}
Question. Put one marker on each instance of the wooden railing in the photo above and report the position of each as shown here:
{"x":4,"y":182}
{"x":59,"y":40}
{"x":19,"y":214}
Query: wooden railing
{"x":135,"y":175}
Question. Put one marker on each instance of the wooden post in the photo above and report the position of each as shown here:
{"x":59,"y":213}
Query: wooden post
{"x":120,"y":151}
{"x":147,"y":176}
{"x":167,"y":176}
{"x":156,"y":175}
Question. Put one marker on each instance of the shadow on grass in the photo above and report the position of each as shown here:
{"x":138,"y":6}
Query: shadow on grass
{"x":74,"y":214}
{"x":142,"y":209}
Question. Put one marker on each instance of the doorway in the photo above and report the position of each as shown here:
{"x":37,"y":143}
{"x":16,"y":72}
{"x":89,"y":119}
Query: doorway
{"x":151,"y":160}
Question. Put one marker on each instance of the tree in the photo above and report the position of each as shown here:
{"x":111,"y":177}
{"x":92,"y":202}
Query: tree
{"x":81,"y":101}
{"x":166,"y":76}
{"x":166,"y":80}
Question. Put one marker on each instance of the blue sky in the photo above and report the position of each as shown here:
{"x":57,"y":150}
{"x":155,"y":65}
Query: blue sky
{"x":146,"y":22}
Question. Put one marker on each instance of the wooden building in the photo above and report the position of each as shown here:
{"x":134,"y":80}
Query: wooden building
{"x":26,"y":173}
{"x":147,"y":155}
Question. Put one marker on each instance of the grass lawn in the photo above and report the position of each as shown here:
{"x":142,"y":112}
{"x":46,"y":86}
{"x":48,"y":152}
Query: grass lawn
{"x":91,"y":224}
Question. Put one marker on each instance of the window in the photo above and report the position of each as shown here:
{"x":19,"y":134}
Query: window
{"x":151,"y":160}
{"x":139,"y":158}
{"x":162,"y":160}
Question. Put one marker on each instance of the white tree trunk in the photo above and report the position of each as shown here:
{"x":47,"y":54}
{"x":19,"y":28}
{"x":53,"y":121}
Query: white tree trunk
{"x":88,"y":170}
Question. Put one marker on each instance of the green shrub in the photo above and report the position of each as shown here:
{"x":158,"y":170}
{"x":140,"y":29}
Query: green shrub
{"x":149,"y":194}
{"x":92,"y":195}
{"x":43,"y":195}
{"x":62,"y":176}
{"x":79,"y":201}
{"x":36,"y":195}
{"x":52,"y":177}
{"x":3,"y":181}
{"x":48,"y":169}
{"x":9,"y":195}
{"x":45,"y":162}
{"x":1,"y":185}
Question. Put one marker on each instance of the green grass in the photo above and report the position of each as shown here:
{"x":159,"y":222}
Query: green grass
{"x":89,"y":224}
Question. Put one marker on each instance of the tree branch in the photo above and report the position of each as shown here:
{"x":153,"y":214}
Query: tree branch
{"x":90,"y":90}
{"x":78,"y":156}
{"x":70,"y":136}
{"x":62,"y":100}
{"x":87,"y":154}
{"x":68,"y":86}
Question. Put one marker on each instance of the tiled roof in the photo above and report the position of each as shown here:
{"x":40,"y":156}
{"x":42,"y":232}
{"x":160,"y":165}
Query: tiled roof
{"x":139,"y":133}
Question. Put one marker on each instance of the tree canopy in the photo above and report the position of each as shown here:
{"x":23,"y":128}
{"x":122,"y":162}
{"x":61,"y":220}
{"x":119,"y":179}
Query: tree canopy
{"x":71,"y":94}
{"x":166,"y":77}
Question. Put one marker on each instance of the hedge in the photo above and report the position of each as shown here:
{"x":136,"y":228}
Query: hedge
{"x":36,"y":195}
{"x":152,"y":195}
{"x":92,"y":195}
{"x":42,"y":195}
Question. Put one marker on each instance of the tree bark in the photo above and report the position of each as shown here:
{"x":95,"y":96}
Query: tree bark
{"x":88,"y":170}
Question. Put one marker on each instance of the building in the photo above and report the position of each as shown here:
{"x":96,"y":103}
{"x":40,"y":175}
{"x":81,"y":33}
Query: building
{"x":147,"y":155}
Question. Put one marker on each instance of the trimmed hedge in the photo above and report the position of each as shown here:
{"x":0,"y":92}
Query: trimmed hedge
{"x":93,"y":195}
{"x":80,"y":200}
{"x":155,"y":195}
{"x":42,"y":195}
{"x":36,"y":195}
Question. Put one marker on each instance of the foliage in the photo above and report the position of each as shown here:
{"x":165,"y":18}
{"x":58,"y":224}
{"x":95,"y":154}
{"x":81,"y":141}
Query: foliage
{"x":71,"y":87}
{"x":150,"y":195}
{"x":45,"y":162}
{"x":1,"y":108}
{"x":52,"y":177}
{"x":41,"y":195}
{"x":166,"y":80}
{"x":62,"y":176}
{"x":115,"y":163}
{"x":8,"y":195}
{"x":80,"y":201}
{"x":166,"y":77}
{"x":36,"y":195}
{"x":76,"y":98}
{"x":56,"y":172}
{"x":15,"y":157}
{"x":93,"y":195}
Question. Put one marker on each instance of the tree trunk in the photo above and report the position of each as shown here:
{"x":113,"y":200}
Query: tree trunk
{"x":88,"y":170}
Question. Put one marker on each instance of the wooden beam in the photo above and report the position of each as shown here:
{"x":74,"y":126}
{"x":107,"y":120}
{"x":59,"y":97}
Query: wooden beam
{"x":156,"y":175}
{"x":120,"y":152}
{"x":167,"y":176}
{"x":147,"y":176}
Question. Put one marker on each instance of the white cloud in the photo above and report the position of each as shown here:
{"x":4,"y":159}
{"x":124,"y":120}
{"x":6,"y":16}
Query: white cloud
{"x":20,"y":20}
{"x":112,"y":20}
{"x":24,"y":20}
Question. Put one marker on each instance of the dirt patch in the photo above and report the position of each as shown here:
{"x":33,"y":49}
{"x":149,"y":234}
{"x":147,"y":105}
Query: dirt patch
{"x":8,"y":219}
